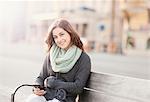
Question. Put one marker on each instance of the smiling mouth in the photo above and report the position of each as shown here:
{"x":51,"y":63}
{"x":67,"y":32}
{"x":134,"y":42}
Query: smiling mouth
{"x":61,"y":44}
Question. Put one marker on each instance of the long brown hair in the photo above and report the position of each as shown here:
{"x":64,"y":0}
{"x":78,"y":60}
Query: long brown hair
{"x":64,"y":24}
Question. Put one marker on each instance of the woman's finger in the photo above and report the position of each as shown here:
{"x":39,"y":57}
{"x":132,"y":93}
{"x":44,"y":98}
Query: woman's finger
{"x":39,"y":92}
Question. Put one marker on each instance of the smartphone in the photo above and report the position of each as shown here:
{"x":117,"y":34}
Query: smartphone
{"x":40,"y":87}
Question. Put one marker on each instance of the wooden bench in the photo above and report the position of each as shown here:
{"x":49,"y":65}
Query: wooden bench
{"x":114,"y":88}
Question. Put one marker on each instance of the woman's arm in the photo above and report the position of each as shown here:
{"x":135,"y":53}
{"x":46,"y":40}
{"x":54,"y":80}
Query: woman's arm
{"x":43,"y":74}
{"x":81,"y":78}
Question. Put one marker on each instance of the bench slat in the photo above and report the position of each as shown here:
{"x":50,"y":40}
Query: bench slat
{"x":113,"y":88}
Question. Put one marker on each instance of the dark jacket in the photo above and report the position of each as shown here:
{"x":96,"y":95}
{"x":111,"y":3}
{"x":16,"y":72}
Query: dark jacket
{"x":72,"y":82}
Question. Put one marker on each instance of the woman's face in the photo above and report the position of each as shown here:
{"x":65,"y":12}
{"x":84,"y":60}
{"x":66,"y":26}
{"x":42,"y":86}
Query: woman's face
{"x":61,"y":38}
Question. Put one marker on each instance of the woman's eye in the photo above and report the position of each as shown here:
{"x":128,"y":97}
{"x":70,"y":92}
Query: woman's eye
{"x":54,"y":37}
{"x":62,"y":34}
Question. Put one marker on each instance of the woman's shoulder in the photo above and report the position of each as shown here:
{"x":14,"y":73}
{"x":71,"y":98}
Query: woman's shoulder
{"x":47,"y":57}
{"x":85,"y":61}
{"x":85,"y":56}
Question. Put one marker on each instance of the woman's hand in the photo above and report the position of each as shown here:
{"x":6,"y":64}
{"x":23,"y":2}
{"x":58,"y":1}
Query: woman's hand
{"x":38,"y":92}
{"x":49,"y":81}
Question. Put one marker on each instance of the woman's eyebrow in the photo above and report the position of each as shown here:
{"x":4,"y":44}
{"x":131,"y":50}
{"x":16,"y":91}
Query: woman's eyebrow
{"x":61,"y":32}
{"x":58,"y":33}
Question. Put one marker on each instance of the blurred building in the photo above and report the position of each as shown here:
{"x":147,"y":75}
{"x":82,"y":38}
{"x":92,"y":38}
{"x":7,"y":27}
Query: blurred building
{"x":90,"y":18}
{"x":113,"y":26}
{"x":12,"y":21}
{"x":136,"y":20}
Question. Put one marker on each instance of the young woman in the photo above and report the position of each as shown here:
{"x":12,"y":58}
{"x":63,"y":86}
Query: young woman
{"x":66,"y":67}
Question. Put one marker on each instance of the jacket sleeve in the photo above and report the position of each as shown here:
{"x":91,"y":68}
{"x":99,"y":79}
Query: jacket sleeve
{"x":43,"y":74}
{"x":81,"y":78}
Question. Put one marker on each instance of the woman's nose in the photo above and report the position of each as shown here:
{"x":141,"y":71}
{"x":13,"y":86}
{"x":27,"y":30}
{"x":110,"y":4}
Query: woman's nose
{"x":59,"y":39}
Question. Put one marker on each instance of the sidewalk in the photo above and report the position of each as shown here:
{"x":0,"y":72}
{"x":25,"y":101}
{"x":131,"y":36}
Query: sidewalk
{"x":4,"y":98}
{"x":22,"y":50}
{"x":5,"y":94}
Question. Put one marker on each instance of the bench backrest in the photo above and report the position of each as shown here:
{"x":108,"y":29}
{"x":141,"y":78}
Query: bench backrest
{"x":114,"y":88}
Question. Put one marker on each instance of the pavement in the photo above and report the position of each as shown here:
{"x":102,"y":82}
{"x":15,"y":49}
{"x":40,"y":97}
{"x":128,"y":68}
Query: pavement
{"x":4,"y":98}
{"x":5,"y":94}
{"x":20,"y":96}
{"x":27,"y":55}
